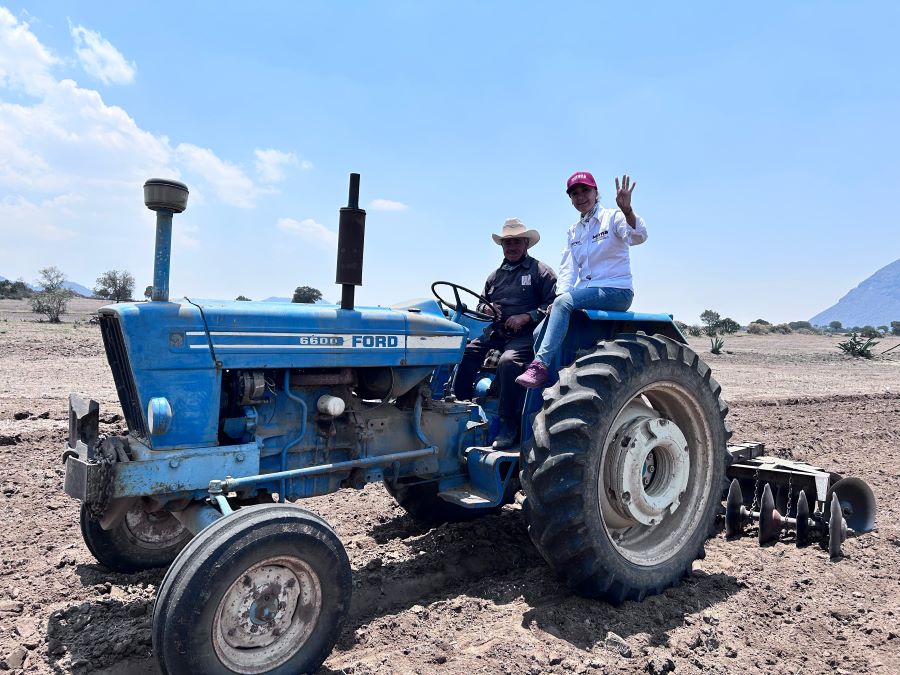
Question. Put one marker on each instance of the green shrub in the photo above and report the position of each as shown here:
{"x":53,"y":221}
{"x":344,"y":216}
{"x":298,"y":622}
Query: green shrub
{"x":306,"y":294}
{"x":857,"y":346}
{"x":757,"y":328}
{"x":710,"y":320}
{"x":51,"y":303}
{"x":782,"y":328}
{"x":695,"y":331}
{"x":15,"y":290}
{"x":53,"y":296}
{"x":869,"y":332}
{"x":729,"y":326}
{"x":115,"y":285}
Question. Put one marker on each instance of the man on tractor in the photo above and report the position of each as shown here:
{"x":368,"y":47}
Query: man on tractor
{"x":519,"y":292}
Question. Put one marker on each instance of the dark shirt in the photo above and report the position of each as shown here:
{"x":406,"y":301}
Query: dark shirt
{"x":525,"y":287}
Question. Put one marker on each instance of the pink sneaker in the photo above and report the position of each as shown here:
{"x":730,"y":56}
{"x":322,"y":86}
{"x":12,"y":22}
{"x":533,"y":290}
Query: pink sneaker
{"x":535,"y":375}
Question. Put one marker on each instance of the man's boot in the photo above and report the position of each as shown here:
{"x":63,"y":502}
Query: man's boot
{"x":508,"y":434}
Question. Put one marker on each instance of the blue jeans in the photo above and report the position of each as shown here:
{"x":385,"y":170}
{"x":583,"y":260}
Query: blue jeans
{"x":610,"y":299}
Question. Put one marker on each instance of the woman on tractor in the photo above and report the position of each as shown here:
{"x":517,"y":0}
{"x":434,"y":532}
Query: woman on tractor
{"x":595,"y":272}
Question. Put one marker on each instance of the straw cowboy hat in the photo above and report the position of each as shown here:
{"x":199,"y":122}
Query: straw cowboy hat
{"x":515,"y":228}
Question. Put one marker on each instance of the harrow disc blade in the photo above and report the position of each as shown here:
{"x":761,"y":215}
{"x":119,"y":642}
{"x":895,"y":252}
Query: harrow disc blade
{"x":837,"y":528}
{"x":734,"y":507}
{"x":769,"y":518}
{"x":857,"y":503}
{"x":802,"y":519}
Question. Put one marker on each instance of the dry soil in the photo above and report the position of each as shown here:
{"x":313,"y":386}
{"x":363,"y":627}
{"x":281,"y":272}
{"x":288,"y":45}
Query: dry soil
{"x":476,"y":597}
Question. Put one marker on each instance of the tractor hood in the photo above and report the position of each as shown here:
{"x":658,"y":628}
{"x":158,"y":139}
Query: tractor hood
{"x":286,"y":335}
{"x":179,"y":349}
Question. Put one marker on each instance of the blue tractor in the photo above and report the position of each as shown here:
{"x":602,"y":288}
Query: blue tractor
{"x":237,"y":409}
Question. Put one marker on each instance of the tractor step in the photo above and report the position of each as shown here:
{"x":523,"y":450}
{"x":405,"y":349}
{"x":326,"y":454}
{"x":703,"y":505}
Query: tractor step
{"x":490,"y":474}
{"x":465,"y":495}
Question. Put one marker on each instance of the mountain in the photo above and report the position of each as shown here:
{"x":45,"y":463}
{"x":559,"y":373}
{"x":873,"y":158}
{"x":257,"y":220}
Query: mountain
{"x":73,"y":286}
{"x":875,"y":302}
{"x":79,"y":289}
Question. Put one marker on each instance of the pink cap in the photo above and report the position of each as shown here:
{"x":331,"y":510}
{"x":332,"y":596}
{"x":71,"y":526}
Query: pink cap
{"x":580,"y":178}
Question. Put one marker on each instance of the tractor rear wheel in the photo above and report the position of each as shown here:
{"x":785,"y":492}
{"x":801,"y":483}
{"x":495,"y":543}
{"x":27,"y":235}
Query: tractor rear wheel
{"x":626,"y":471}
{"x":141,"y":541}
{"x":262,"y":590}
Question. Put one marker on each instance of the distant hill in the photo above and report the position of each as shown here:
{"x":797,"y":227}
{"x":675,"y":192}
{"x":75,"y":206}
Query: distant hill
{"x":73,"y":286}
{"x":875,"y":302}
{"x":78,"y":288}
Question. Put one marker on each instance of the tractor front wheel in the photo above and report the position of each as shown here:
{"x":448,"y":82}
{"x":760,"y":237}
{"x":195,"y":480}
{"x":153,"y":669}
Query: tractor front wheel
{"x":141,"y":541}
{"x":262,"y":590}
{"x":626,"y":470}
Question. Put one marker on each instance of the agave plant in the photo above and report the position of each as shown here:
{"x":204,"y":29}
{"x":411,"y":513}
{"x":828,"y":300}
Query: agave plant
{"x":716,"y":344}
{"x":857,"y":346}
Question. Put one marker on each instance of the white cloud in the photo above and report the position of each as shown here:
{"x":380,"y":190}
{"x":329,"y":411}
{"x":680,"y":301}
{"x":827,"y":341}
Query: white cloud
{"x":17,"y":214}
{"x":387,"y":205}
{"x":309,"y":230}
{"x":24,"y":61}
{"x":71,"y":166}
{"x":270,"y":164}
{"x":100,"y":58}
{"x":182,"y":236}
{"x":228,"y":180}
{"x":70,"y":141}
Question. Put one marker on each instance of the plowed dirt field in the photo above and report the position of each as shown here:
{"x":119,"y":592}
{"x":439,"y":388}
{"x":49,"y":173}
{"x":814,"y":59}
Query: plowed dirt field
{"x":476,"y":597}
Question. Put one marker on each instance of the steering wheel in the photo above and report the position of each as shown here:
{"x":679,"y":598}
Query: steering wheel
{"x":460,"y":306}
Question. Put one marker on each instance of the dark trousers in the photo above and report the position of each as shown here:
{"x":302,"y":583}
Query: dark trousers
{"x":517,"y":351}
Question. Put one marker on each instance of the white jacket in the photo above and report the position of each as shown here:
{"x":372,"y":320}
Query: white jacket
{"x":596,"y":252}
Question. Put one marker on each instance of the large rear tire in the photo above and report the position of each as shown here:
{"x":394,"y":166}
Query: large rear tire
{"x":263,"y":590}
{"x":626,"y":471}
{"x":141,"y":541}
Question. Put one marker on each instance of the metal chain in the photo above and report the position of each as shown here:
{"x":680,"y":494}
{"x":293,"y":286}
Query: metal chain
{"x":790,"y":493}
{"x":753,"y":506}
{"x":101,"y":490}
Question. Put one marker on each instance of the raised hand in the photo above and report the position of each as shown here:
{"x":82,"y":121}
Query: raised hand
{"x":623,"y":194}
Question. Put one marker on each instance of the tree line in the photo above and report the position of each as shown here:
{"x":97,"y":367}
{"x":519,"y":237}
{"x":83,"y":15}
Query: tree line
{"x":52,"y":297}
{"x":711,"y":324}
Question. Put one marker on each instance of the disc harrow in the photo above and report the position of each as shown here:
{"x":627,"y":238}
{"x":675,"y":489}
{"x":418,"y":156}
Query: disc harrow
{"x":817,"y":505}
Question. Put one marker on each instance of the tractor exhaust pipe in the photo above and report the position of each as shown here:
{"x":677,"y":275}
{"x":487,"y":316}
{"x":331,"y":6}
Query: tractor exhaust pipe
{"x":166,"y":197}
{"x":351,"y":241}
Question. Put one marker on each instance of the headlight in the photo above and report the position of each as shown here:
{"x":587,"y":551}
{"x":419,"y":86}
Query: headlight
{"x":159,"y":415}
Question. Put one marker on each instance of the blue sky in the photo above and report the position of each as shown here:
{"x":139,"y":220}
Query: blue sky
{"x":763,"y":138}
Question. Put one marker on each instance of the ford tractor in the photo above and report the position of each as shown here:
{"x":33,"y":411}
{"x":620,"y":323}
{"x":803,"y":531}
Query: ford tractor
{"x":236,"y":410}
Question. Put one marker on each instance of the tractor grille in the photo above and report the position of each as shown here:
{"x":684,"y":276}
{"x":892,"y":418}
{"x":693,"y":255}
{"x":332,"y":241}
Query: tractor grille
{"x":121,"y":370}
